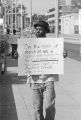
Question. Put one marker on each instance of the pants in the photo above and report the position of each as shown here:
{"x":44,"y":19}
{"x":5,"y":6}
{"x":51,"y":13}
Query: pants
{"x":43,"y":100}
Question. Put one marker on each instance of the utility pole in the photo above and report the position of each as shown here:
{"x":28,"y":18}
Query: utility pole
{"x":57,"y":18}
{"x":15,"y":14}
{"x":12,"y":16}
{"x":30,"y":18}
{"x":21,"y":18}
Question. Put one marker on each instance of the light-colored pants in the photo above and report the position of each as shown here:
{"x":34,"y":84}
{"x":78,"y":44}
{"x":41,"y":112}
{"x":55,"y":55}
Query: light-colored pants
{"x":43,"y":100}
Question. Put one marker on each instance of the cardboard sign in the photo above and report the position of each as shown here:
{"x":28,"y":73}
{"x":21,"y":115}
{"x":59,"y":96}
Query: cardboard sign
{"x":40,"y":56}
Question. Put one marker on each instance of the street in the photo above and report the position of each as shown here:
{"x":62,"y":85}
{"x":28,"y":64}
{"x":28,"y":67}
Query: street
{"x":16,"y":99}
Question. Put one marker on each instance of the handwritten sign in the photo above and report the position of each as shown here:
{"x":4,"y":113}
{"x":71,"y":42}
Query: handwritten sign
{"x":40,"y":56}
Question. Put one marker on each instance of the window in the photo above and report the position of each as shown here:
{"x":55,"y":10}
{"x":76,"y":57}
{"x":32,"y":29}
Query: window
{"x":68,"y":2}
{"x":60,"y":14}
{"x":51,"y":16}
{"x":60,"y":7}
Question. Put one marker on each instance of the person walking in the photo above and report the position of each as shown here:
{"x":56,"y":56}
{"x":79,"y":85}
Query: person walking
{"x":43,"y":90}
{"x":3,"y":45}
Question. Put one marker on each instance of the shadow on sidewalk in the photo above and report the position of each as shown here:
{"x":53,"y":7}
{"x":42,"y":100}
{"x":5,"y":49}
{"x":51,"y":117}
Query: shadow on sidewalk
{"x":7,"y":103}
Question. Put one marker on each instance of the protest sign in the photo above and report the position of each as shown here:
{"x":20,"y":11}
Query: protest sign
{"x":40,"y":56}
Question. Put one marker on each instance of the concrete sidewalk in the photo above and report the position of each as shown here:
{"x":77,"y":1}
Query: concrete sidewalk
{"x":68,"y":92}
{"x":16,"y":99}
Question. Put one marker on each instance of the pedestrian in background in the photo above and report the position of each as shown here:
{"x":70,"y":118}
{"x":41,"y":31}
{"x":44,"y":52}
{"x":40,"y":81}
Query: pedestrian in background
{"x":2,"y":57}
{"x":43,"y":89}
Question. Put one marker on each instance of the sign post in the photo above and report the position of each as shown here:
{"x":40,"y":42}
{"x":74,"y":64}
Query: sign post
{"x":57,"y":18}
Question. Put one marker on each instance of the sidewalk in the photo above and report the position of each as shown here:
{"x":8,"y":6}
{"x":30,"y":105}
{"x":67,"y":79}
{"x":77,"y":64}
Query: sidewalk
{"x":16,"y":99}
{"x":68,"y":92}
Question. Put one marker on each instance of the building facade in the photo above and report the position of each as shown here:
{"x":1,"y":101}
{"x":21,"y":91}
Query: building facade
{"x":65,"y":8}
{"x":1,"y":10}
{"x":71,"y":24}
{"x":50,"y":15}
{"x":16,"y":24}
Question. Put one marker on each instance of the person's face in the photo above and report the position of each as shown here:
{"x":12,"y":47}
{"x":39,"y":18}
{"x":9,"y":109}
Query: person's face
{"x":40,"y":31}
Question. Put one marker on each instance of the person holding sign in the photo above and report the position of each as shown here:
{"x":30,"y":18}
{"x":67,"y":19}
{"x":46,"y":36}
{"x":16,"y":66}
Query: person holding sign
{"x":43,"y":89}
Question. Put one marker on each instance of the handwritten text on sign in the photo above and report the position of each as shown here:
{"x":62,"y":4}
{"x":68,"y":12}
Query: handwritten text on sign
{"x":40,"y":56}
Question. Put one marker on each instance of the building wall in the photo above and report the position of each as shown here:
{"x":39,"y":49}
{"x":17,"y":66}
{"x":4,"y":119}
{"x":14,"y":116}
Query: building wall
{"x":50,"y":15}
{"x":19,"y":21}
{"x":70,"y":24}
{"x":68,"y":2}
{"x":67,"y":23}
{"x":80,"y":21}
{"x":65,"y":8}
{"x":62,"y":1}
